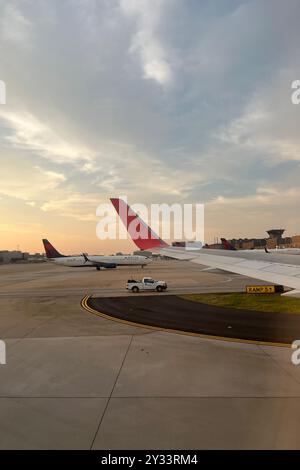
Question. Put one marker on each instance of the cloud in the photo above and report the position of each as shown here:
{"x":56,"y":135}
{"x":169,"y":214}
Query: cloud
{"x":146,"y":42}
{"x":163,"y":100}
{"x":260,"y":129}
{"x":28,"y":183}
{"x":245,"y":213}
{"x":73,"y":205}
{"x":14,"y":27}
{"x":28,"y":133}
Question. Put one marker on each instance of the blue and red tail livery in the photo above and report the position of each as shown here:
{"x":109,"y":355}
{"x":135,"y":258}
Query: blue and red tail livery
{"x":227,"y":245}
{"x":51,"y":252}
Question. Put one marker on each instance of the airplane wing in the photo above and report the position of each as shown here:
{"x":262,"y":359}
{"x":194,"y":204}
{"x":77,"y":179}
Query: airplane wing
{"x":279,"y":269}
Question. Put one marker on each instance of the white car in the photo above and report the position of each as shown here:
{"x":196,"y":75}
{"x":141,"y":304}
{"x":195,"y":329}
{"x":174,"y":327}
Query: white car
{"x":146,"y":284}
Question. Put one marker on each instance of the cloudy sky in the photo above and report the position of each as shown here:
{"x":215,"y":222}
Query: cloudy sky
{"x":159,"y":100}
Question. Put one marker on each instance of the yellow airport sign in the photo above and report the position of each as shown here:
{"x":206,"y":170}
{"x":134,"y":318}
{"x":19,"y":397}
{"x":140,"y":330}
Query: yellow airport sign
{"x":261,"y":289}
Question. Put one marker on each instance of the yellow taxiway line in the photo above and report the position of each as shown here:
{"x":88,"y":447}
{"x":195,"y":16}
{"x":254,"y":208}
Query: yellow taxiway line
{"x":86,"y":307}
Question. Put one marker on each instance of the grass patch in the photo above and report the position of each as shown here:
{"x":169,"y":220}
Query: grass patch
{"x":274,"y":303}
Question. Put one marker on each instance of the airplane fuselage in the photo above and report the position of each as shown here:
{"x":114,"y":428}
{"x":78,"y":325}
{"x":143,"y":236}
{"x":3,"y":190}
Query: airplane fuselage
{"x":122,"y":260}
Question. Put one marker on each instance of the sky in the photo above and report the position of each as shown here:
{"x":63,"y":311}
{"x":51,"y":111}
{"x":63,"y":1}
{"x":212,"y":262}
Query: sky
{"x":163,"y":101}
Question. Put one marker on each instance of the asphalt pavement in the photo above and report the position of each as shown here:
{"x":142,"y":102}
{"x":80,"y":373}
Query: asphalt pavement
{"x":175,"y":313}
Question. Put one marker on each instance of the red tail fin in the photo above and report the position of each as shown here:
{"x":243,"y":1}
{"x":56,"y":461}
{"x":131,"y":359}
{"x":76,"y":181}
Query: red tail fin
{"x":142,"y":235}
{"x":51,"y":252}
{"x":227,"y":245}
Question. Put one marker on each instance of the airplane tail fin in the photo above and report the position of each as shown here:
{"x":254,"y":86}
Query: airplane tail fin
{"x":51,"y":252}
{"x":142,"y":235}
{"x":227,"y":245}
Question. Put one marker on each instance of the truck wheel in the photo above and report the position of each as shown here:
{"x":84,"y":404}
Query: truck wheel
{"x":135,"y":289}
{"x":159,"y":289}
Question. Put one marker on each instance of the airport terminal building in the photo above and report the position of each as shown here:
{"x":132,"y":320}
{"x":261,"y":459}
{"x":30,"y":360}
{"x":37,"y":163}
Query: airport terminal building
{"x":274,"y":240}
{"x":12,"y":256}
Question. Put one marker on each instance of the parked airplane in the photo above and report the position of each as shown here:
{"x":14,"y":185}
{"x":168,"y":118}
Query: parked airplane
{"x":272,"y":267}
{"x":294,"y":251}
{"x":98,"y":261}
{"x":227,"y":245}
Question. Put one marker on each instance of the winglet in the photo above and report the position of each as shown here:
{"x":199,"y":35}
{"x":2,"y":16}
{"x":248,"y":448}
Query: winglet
{"x":142,"y":235}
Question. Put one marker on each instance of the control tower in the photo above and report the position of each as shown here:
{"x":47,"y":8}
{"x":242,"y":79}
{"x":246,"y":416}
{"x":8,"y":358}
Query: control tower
{"x":276,"y":233}
{"x":275,"y":239}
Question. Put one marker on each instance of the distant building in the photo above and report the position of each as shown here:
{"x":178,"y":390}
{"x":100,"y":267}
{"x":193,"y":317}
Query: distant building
{"x":275,"y":240}
{"x":248,"y":243}
{"x":11,"y":256}
{"x":37,"y":258}
{"x":15,"y":256}
{"x":295,"y":241}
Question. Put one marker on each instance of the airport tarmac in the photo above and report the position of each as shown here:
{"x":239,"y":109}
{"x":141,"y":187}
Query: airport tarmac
{"x":38,"y":280}
{"x":73,"y":380}
{"x":174,"y":313}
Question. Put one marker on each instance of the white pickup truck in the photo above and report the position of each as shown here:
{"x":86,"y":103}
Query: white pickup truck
{"x":146,"y":284}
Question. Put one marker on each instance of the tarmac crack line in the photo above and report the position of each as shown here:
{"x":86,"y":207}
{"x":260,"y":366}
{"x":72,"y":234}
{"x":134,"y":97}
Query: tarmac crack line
{"x":279,"y":365}
{"x":111,"y":393}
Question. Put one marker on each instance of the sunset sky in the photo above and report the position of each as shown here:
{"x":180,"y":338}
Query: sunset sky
{"x":161,"y":100}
